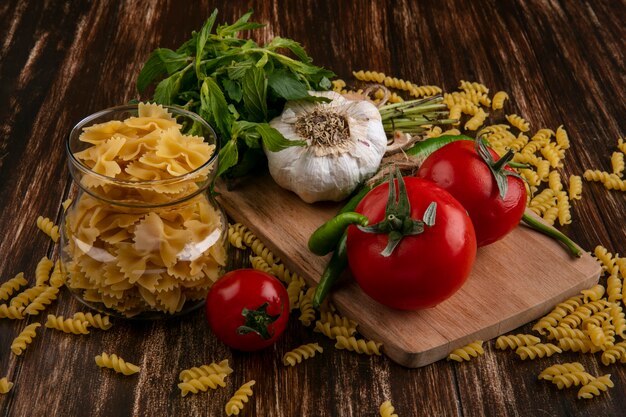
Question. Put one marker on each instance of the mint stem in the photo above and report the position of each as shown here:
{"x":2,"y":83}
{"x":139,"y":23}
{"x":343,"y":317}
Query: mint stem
{"x":553,"y":233}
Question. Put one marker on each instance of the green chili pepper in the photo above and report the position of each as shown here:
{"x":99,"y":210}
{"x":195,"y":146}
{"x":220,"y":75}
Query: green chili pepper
{"x":337,"y":264}
{"x":553,"y":233}
{"x":324,"y":240}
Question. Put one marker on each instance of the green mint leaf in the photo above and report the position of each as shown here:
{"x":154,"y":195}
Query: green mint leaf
{"x":273,"y":140}
{"x":162,"y":61}
{"x":233,"y":89}
{"x":214,"y":108}
{"x":238,"y":71}
{"x":292,"y":45}
{"x":254,"y":87}
{"x":251,"y":138}
{"x":285,"y":85}
{"x":241,"y":24}
{"x":430,"y":214}
{"x":261,"y":63}
{"x":228,"y":156}
{"x":203,"y":37}
{"x":167,"y":89}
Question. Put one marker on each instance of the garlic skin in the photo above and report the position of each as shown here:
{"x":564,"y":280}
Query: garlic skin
{"x":345,"y":145}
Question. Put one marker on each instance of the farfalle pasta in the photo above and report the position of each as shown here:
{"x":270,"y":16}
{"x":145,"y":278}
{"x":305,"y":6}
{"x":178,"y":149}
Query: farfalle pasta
{"x":143,"y":236}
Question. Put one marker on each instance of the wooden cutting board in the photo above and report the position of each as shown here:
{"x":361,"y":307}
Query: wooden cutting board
{"x":514,"y":281}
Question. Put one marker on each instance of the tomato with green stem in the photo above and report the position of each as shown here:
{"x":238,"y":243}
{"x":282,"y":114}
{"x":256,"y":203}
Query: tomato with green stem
{"x":419,"y":247}
{"x":492,"y":193}
{"x":247,"y":309}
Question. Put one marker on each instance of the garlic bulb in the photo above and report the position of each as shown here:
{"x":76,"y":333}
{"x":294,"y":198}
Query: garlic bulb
{"x":345,"y":142}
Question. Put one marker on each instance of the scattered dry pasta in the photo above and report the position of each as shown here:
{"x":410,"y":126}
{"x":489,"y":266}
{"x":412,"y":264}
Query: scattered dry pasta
{"x":241,"y":396}
{"x":468,"y":352}
{"x":300,"y":353}
{"x":42,"y":271}
{"x":595,"y":387}
{"x":42,"y":301}
{"x":205,"y":370}
{"x":518,"y":122}
{"x":362,"y":346}
{"x":14,"y":284}
{"x":614,"y":353}
{"x":24,"y":338}
{"x":95,"y":320}
{"x":537,"y":351}
{"x":559,"y":369}
{"x":515,"y":341}
{"x":575,"y":187}
{"x":369,"y":76}
{"x":387,"y":410}
{"x":617,"y":163}
{"x":11,"y":312}
{"x":48,"y":227}
{"x":572,"y":379}
{"x":202,"y":383}
{"x":67,"y":326}
{"x":5,"y":385}
{"x":307,"y":312}
{"x":333,"y":331}
{"x":497,"y":102}
{"x":116,"y":363}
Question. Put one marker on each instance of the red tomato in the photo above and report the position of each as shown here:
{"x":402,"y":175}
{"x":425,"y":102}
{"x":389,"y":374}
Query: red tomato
{"x":423,"y":269}
{"x":460,"y":170}
{"x":247,"y":309}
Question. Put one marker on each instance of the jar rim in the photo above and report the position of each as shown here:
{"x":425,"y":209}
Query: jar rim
{"x":127,"y":107}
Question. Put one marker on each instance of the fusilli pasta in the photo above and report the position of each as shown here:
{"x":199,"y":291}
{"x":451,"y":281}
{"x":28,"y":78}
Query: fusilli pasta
{"x":369,"y":76}
{"x":614,"y":353}
{"x":24,"y":338}
{"x":518,"y":122}
{"x":537,"y":351}
{"x":95,"y":320}
{"x":387,"y":410}
{"x":67,"y":326}
{"x":205,"y":370}
{"x":42,"y":301}
{"x":116,"y":363}
{"x":8,"y":288}
{"x":362,"y":346}
{"x":241,"y":396}
{"x":11,"y":312}
{"x":497,"y":102}
{"x":515,"y":341}
{"x":572,"y":379}
{"x":559,"y":369}
{"x":48,"y":227}
{"x":575,"y":187}
{"x":594,"y":388}
{"x":466,"y":353}
{"x":300,"y":353}
{"x":5,"y":385}
{"x":42,"y":271}
{"x":202,"y":383}
{"x":617,"y":163}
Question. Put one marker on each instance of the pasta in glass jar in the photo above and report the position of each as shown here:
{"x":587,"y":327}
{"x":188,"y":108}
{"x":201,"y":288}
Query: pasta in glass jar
{"x":144,"y":237}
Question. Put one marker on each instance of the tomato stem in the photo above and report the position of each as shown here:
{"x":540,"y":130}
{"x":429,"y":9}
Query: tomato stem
{"x":258,"y":321}
{"x":553,"y":233}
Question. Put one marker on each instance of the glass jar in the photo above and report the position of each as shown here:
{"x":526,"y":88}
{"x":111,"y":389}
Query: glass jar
{"x":143,"y":238}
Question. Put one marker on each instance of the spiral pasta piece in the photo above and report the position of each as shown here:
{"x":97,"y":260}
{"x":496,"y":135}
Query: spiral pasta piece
{"x":11,"y":312}
{"x":619,"y":321}
{"x":594,"y":293}
{"x":57,"y":279}
{"x":116,"y":363}
{"x":614,"y":286}
{"x":95,"y":320}
{"x":333,"y":331}
{"x":301,"y":353}
{"x":361,"y":346}
{"x":559,"y":369}
{"x":42,"y":301}
{"x":554,"y":181}
{"x":337,"y":320}
{"x":468,"y":352}
{"x":552,"y":154}
{"x":596,"y":335}
{"x":518,"y":122}
{"x":65,"y":204}
{"x":14,"y":284}
{"x":42,"y":271}
{"x":557,"y":314}
{"x":425,"y":90}
{"x":67,"y":326}
{"x":281,"y":272}
{"x":307,"y":312}
{"x":455,"y":113}
{"x":595,"y":387}
{"x":5,"y":385}
{"x":614,"y":353}
{"x":551,"y":214}
{"x":26,"y":297}
{"x":294,"y":289}
{"x":259,"y":264}
{"x":434,"y":132}
{"x":577,"y":345}
{"x":572,"y":379}
{"x":205,"y":370}
{"x":235,"y":237}
{"x":610,"y":181}
{"x":561,"y":332}
{"x":369,"y":76}
{"x":387,"y":410}
{"x":537,"y":351}
{"x":562,"y":138}
{"x":241,"y":396}
{"x":23,"y":339}
{"x":497,"y":102}
{"x":338,"y":85}
{"x":617,"y":163}
{"x":477,"y":120}
{"x":261,"y":250}
{"x":202,"y":383}
{"x":48,"y":227}
{"x":398,"y":84}
{"x":473,"y":86}
{"x":575,"y":187}
{"x":605,"y":257}
{"x":515,"y":341}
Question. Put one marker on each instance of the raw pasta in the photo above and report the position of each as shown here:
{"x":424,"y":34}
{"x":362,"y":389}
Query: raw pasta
{"x":537,"y":351}
{"x":8,"y":288}
{"x":595,"y":387}
{"x":515,"y":341}
{"x":202,"y":383}
{"x":307,"y":312}
{"x":95,"y":320}
{"x":42,"y":301}
{"x":26,"y":297}
{"x":518,"y":122}
{"x":57,"y":279}
{"x":116,"y":363}
{"x":5,"y":385}
{"x":578,"y":345}
{"x":594,"y":293}
{"x":11,"y":312}
{"x":497,"y":102}
{"x":241,"y":396}
{"x":24,"y":338}
{"x":42,"y":272}
{"x":205,"y":370}
{"x":617,"y":163}
{"x":333,"y":331}
{"x":300,"y":353}
{"x":468,"y":352}
{"x":379,"y":77}
{"x":362,"y":346}
{"x":387,"y":410}
{"x":575,"y":187}
{"x":559,"y":369}
{"x":614,"y":353}
{"x":572,"y":379}
{"x":561,"y":137}
{"x":68,"y":326}
{"x":48,"y":227}
{"x":473,"y":86}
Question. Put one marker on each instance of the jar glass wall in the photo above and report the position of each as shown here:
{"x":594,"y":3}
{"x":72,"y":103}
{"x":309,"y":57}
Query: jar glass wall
{"x":143,"y":238}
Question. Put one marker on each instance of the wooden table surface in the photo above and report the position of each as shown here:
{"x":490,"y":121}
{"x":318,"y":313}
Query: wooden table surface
{"x":561,"y":61}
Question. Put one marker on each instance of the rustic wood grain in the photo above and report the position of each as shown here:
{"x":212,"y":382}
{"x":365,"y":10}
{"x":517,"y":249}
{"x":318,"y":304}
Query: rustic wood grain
{"x":561,"y":61}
